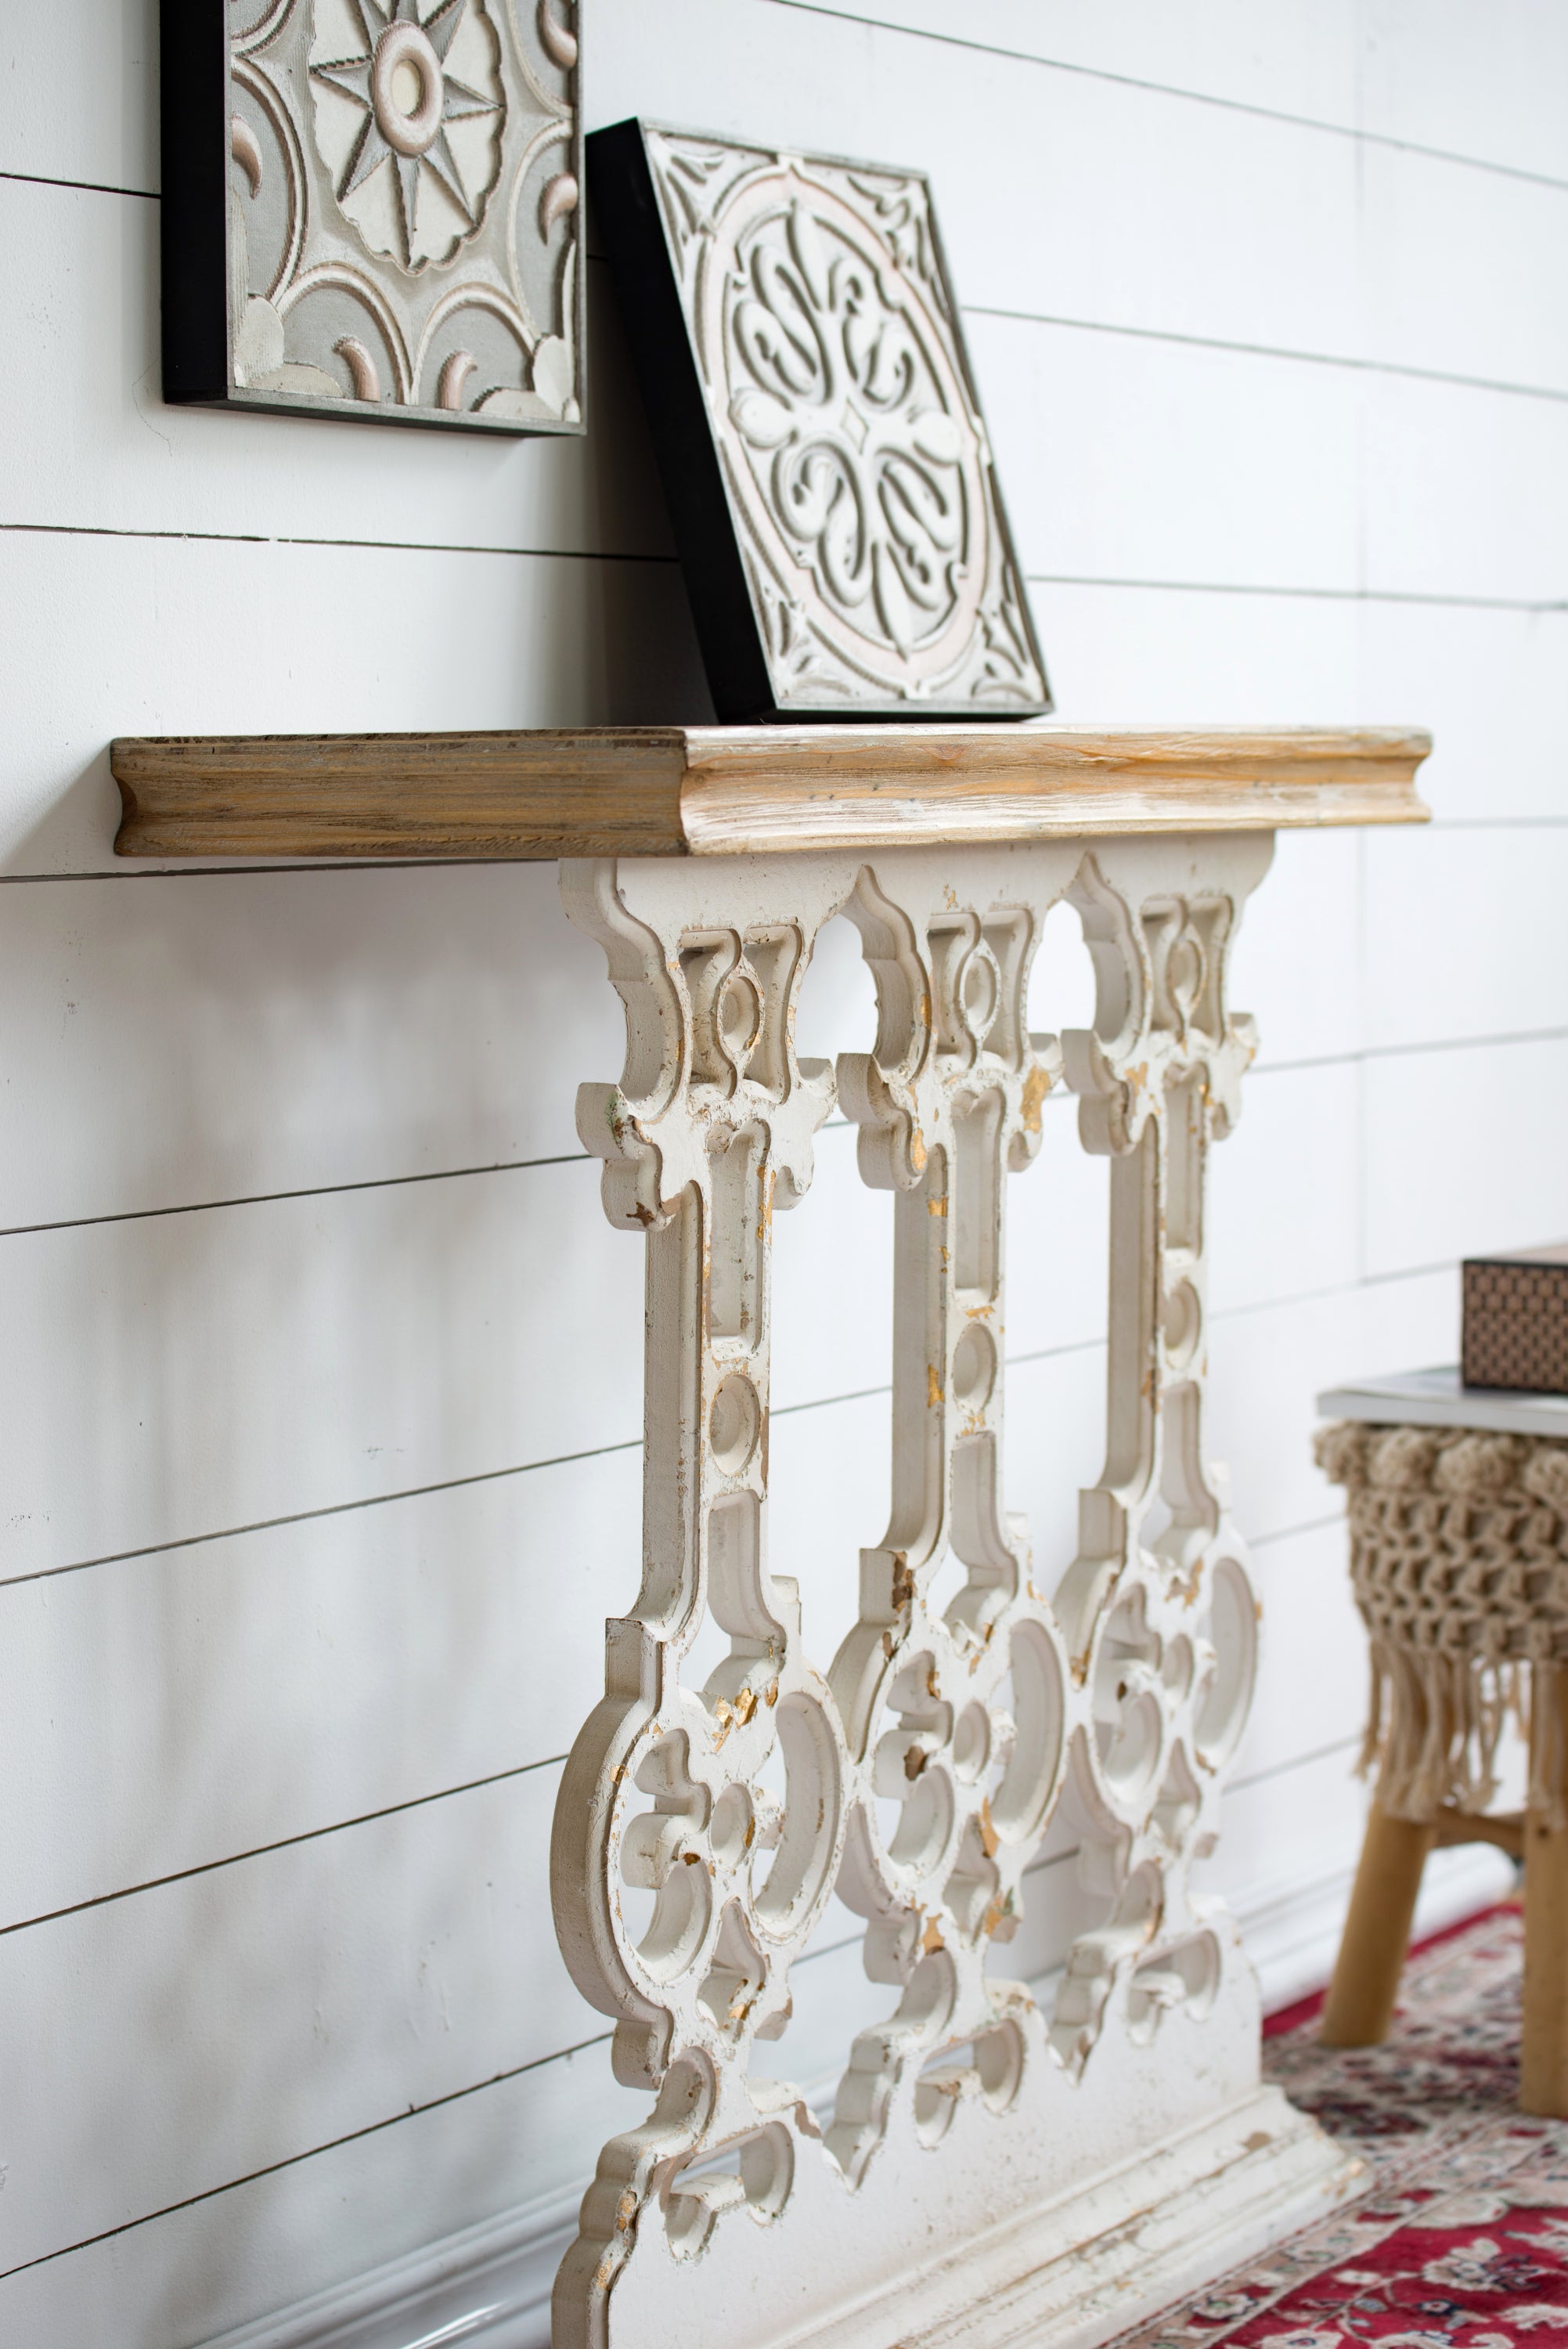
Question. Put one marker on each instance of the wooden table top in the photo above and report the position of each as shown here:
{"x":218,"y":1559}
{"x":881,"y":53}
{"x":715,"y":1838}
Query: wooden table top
{"x":713,"y":791}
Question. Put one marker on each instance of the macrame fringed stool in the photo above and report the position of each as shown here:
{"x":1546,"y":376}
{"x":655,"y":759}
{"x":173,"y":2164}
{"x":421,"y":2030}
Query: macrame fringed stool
{"x":1459,"y":1557}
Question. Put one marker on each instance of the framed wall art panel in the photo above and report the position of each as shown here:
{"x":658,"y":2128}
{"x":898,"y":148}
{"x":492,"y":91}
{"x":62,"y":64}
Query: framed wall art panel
{"x":371,"y":209}
{"x":826,"y":462}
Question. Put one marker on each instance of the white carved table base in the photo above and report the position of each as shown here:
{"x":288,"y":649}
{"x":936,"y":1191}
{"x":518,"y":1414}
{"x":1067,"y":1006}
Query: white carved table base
{"x":992,"y":2172}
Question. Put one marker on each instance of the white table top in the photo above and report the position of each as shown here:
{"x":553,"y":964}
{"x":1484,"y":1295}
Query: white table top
{"x":1437,"y":1399}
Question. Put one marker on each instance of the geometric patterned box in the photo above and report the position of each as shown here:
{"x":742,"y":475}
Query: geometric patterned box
{"x":1515,"y":1315}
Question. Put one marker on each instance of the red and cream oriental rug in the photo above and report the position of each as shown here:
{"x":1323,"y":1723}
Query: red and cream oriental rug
{"x":1459,"y":2239}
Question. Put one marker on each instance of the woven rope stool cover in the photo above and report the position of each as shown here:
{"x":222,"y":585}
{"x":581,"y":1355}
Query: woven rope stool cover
{"x":1459,"y":1559}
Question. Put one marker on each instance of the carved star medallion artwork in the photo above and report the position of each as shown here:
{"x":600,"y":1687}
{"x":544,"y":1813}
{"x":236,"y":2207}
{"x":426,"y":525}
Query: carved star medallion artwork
{"x":408,"y":100}
{"x":403,"y":215}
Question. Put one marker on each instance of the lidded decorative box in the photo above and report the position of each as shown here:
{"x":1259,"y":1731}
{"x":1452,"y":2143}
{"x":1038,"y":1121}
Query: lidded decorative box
{"x":1515,"y":1312}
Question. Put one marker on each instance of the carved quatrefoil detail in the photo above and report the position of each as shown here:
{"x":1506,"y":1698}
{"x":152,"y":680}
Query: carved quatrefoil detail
{"x":858,"y":473}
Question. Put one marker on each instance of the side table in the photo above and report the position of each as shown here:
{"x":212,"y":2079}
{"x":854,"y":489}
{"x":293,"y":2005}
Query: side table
{"x":994,"y":2171}
{"x":1458,"y":1505}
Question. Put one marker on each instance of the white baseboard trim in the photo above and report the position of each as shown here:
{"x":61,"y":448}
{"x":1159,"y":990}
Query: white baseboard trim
{"x":490,"y":2286}
{"x":1291,"y":1925}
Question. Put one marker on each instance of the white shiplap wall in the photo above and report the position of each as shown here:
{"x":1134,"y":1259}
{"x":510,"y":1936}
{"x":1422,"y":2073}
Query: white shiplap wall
{"x":320,"y":1372}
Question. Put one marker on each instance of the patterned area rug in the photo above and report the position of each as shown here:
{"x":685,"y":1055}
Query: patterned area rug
{"x":1460,"y":2239}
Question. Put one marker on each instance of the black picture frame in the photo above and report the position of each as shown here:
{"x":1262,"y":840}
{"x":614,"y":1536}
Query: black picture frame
{"x":212,"y":75}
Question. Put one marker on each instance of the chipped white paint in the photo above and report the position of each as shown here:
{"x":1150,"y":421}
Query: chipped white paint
{"x":729,"y":1782}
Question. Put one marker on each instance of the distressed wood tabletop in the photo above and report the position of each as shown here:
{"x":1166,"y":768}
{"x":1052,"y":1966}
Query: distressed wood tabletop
{"x":712,"y":790}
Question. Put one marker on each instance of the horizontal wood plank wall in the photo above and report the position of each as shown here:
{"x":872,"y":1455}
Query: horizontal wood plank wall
{"x":312,"y":1497}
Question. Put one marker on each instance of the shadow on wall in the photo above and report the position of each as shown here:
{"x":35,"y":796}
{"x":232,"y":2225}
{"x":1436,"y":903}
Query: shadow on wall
{"x":186,"y":1038}
{"x":530,"y":583}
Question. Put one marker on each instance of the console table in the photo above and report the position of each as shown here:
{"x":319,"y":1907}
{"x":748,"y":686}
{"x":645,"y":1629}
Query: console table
{"x":993,"y":2172}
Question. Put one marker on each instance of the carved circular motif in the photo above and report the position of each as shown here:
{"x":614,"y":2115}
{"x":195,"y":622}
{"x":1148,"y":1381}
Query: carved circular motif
{"x":974,"y":1367}
{"x":735,"y":1423}
{"x":740,"y":1017}
{"x":1225,"y":1699}
{"x":409,"y":129}
{"x":406,"y":92}
{"x":980,"y":992}
{"x":854,"y":445}
{"x":1184,"y":973}
{"x":1182,"y":1324}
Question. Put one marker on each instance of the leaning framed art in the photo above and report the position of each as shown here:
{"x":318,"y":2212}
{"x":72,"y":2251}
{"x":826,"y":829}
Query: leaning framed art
{"x":830,"y":479}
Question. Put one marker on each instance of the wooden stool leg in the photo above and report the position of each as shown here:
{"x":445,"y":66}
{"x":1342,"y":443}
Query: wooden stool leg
{"x":1360,"y":2002}
{"x":1543,"y":2047}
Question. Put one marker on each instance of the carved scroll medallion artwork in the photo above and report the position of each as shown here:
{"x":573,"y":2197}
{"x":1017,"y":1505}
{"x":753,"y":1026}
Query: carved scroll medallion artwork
{"x":823,"y":452}
{"x":988,"y":2169}
{"x":371,"y":210}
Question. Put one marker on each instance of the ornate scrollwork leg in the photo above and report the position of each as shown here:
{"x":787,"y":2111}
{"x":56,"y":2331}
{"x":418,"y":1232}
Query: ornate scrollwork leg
{"x":724,"y":1787}
{"x":955,"y":1702}
{"x":1158,"y":1610}
{"x":669,"y":1791}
